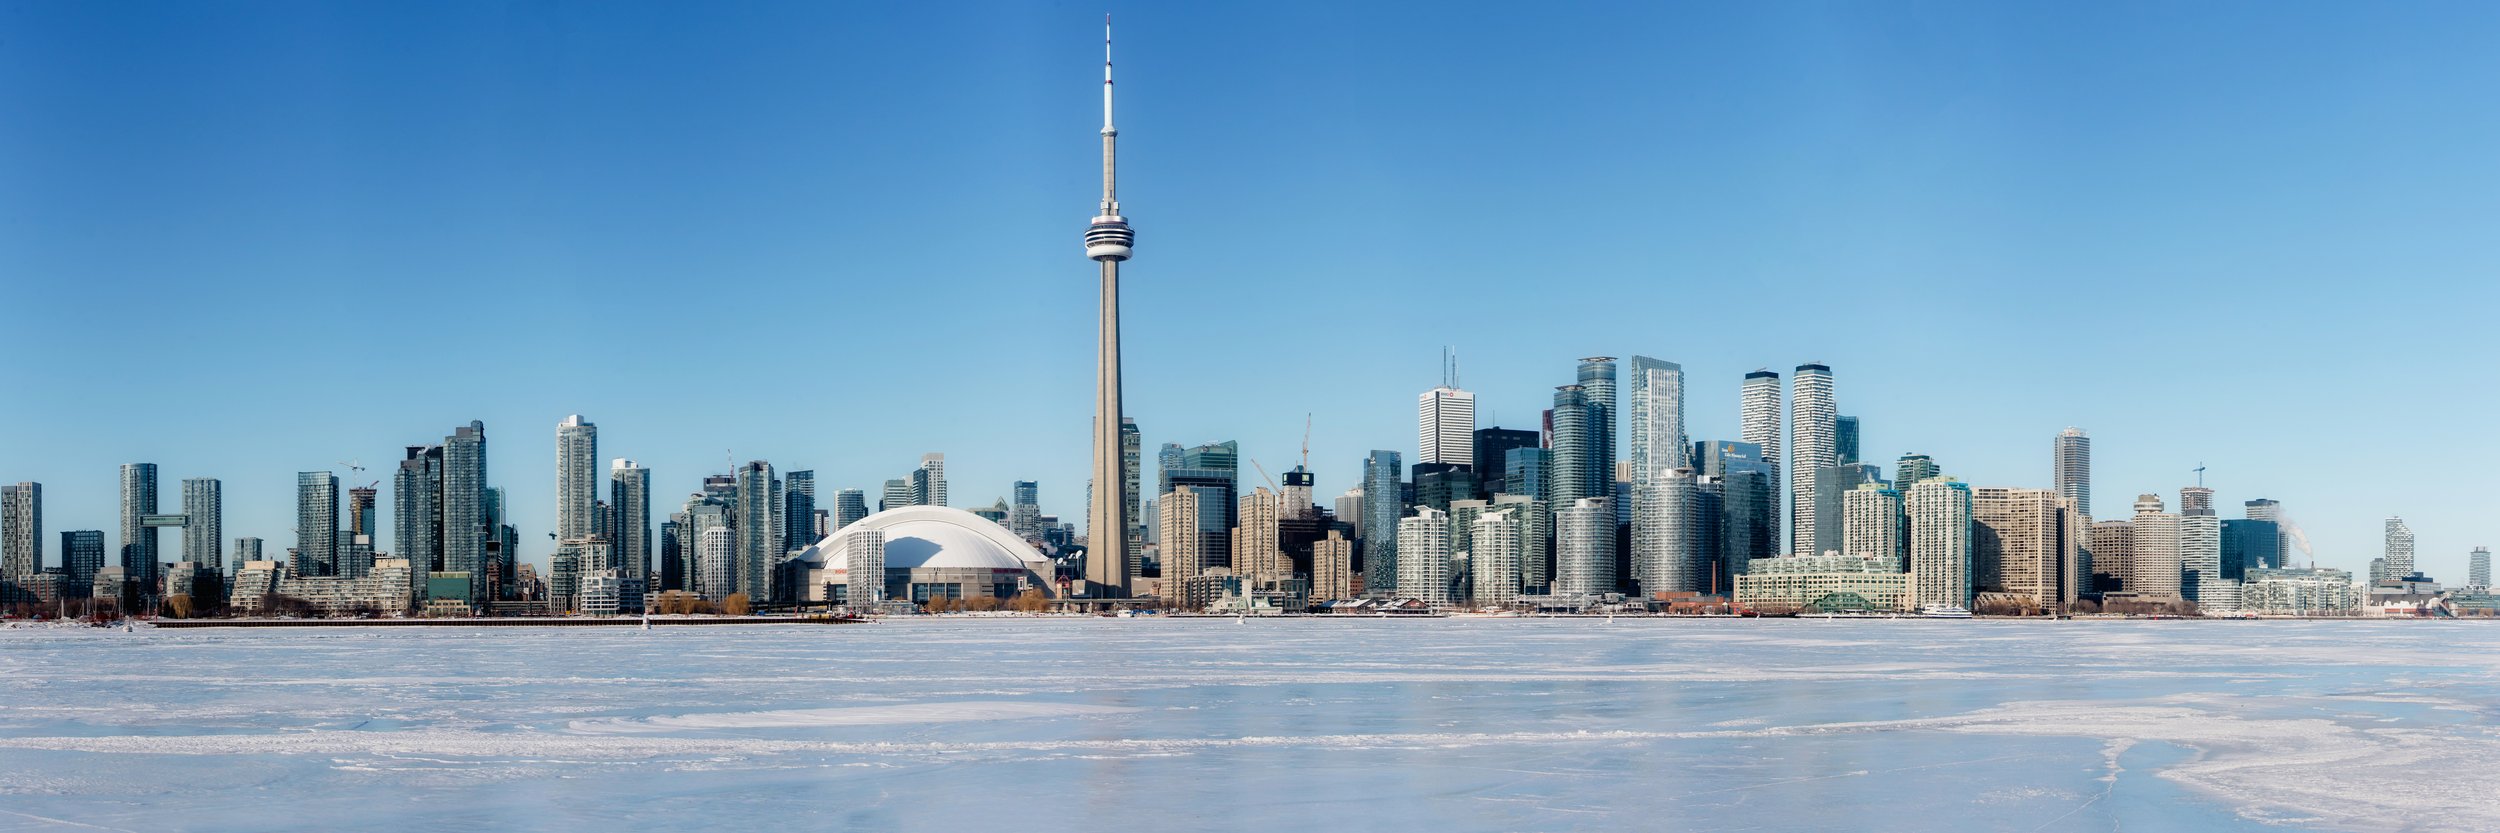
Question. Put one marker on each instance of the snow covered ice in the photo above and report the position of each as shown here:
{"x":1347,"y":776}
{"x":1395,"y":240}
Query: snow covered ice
{"x":1449,"y":724}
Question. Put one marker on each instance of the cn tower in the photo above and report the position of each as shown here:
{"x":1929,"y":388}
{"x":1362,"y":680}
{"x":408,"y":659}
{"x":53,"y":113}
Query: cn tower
{"x":1107,"y":241}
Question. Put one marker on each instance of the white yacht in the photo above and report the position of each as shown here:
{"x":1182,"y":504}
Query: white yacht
{"x":1944,"y":611}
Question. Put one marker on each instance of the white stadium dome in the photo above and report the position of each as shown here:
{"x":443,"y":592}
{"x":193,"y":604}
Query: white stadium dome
{"x":933,"y":537}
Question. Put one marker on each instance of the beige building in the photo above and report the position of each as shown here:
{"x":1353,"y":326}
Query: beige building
{"x":1332,"y":567}
{"x":2153,"y":556}
{"x":1821,"y":583}
{"x":2024,"y":544}
{"x":1256,"y":555}
{"x":1183,"y":549}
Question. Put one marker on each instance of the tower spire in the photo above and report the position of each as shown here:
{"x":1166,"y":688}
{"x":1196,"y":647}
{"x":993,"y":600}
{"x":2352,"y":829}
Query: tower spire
{"x":1106,"y":75}
{"x":1108,"y":242}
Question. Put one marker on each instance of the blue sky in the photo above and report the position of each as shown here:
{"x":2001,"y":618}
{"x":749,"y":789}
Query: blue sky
{"x":243,"y":240}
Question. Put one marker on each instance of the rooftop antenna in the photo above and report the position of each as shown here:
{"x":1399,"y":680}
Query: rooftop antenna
{"x":1306,"y":441}
{"x":2200,"y":474}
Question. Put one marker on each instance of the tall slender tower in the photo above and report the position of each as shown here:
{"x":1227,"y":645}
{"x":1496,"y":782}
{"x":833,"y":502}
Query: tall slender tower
{"x":2072,"y":468}
{"x":1108,"y":241}
{"x":1760,"y":425}
{"x":1812,"y":426}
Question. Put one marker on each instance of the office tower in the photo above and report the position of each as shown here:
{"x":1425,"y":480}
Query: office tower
{"x":1759,"y":425}
{"x":928,"y":482}
{"x":1350,"y":509}
{"x":417,"y":508}
{"x":1445,"y":427}
{"x":246,"y":550}
{"x":1424,"y":556}
{"x":2399,"y":548}
{"x":1812,"y":448}
{"x":1584,"y":547}
{"x":1438,"y":484}
{"x":2110,"y":548}
{"x":1676,"y":536}
{"x":316,"y":524}
{"x":1496,"y":541}
{"x":755,"y":555}
{"x":1749,"y":506}
{"x":1573,"y":472}
{"x":1654,"y":418}
{"x":1832,"y":486}
{"x":629,"y":499}
{"x":716,"y":563}
{"x":849,"y":505}
{"x":1845,"y":439}
{"x":673,"y":551}
{"x":863,"y":563}
{"x":1493,"y":447}
{"x":139,"y":552}
{"x":1382,"y":509}
{"x":1256,"y":552}
{"x":2200,"y":543}
{"x":1527,"y":471}
{"x":204,"y":507}
{"x":1184,"y":550}
{"x":1940,"y":533}
{"x":1214,"y":470}
{"x":1911,"y":469}
{"x":1132,"y":468}
{"x":1597,"y":383}
{"x":82,"y":556}
{"x":1874,"y":525}
{"x":1332,"y":567}
{"x":2264,"y":509}
{"x":577,"y":478}
{"x":1295,"y":501}
{"x":1536,"y":524}
{"x":363,"y":526}
{"x":798,"y":510}
{"x":2071,"y":468}
{"x":2249,"y":545}
{"x":1108,"y":241}
{"x":21,"y":531}
{"x":2478,"y":567}
{"x":2153,"y":555}
{"x":1024,"y":517}
{"x":897,"y":495}
{"x":2025,"y":542}
{"x":466,"y":529}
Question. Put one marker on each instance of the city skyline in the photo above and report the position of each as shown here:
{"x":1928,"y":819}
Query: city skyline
{"x":1983,"y":414}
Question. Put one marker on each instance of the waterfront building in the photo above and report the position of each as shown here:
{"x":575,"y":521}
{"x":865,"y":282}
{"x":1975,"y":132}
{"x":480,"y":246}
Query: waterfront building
{"x":1812,"y":449}
{"x":1824,"y":584}
{"x":2025,"y":544}
{"x":1332,"y":567}
{"x":715,"y":563}
{"x":1584,"y":548}
{"x":1536,"y":524}
{"x":82,"y":557}
{"x":1446,"y":426}
{"x":316,"y":524}
{"x":139,"y":540}
{"x":798,"y":510}
{"x":629,"y":501}
{"x":2249,"y":545}
{"x":1654,"y":438}
{"x":2070,"y":468}
{"x":2200,"y":546}
{"x":1874,"y":525}
{"x":1493,"y":449}
{"x":600,"y":593}
{"x":2478,"y":568}
{"x":1496,"y":542}
{"x":1832,"y":486}
{"x":2110,"y":555}
{"x":1257,"y":554}
{"x":849,"y":505}
{"x":204,"y":522}
{"x":1760,"y":426}
{"x":21,"y":531}
{"x":1423,"y":559}
{"x":1183,"y":549}
{"x":386,"y":588}
{"x":2399,"y":552}
{"x":1382,"y":509}
{"x":757,"y":552}
{"x":1676,"y":537}
{"x":1572,"y":472}
{"x":2153,"y":569}
{"x":466,"y":526}
{"x":1597,"y":384}
{"x":417,"y":509}
{"x":929,"y":552}
{"x":577,"y":478}
{"x":863,"y":556}
{"x":2299,"y":592}
{"x":1940,"y":542}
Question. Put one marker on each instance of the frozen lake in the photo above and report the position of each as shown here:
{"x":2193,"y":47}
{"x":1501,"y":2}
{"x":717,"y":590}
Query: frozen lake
{"x":1451,"y":724}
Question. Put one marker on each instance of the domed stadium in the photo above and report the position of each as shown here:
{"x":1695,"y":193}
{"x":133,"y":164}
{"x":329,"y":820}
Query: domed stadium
{"x":927,"y":552}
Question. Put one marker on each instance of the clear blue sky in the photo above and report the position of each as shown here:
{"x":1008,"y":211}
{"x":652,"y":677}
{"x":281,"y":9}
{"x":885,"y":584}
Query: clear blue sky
{"x":243,"y":240}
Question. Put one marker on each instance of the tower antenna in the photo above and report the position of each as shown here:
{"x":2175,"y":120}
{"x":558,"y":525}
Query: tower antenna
{"x":2200,"y":474}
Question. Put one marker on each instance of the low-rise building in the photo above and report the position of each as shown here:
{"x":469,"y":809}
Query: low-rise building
{"x":1823,"y":583}
{"x":2302,"y":592}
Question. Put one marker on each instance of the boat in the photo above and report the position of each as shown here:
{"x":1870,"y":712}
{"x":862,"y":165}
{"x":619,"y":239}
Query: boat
{"x":1943,"y":611}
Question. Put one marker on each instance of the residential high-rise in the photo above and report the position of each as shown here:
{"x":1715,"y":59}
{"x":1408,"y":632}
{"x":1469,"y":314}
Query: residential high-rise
{"x":204,"y":511}
{"x":755,"y":555}
{"x":1424,"y":556}
{"x":1382,"y":510}
{"x":716,"y":567}
{"x":897,"y":495}
{"x":246,"y":550}
{"x":1214,"y":469}
{"x":417,"y":509}
{"x":2200,"y":545}
{"x":798,"y":510}
{"x":928,"y":481}
{"x":849,"y":505}
{"x":2478,"y":568}
{"x":1911,"y":469}
{"x":2399,"y":548}
{"x":1845,"y":440}
{"x":2153,"y":556}
{"x":1495,"y":543}
{"x":1584,"y":548}
{"x":1813,"y":447}
{"x":1748,"y":507}
{"x":1654,"y":419}
{"x":2025,"y":542}
{"x":1183,"y":549}
{"x":2071,"y":468}
{"x":139,"y":540}
{"x":1676,"y":538}
{"x":1940,"y":542}
{"x":1332,"y":567}
{"x":1256,"y":552}
{"x":1574,"y":471}
{"x":1832,"y":486}
{"x":466,"y":527}
{"x":1597,"y":383}
{"x":316,"y":524}
{"x":1446,"y":426}
{"x":1874,"y":525}
{"x":2111,"y":548}
{"x":82,"y":556}
{"x":1295,"y":500}
{"x":21,"y":531}
{"x":629,"y":501}
{"x":1493,"y":448}
{"x":1132,"y":470}
{"x":1024,"y":517}
{"x":577,"y":478}
{"x":1760,"y":425}
{"x":1108,"y":241}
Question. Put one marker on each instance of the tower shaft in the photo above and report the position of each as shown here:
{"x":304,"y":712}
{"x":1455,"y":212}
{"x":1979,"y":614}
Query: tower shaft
{"x":1107,"y":241}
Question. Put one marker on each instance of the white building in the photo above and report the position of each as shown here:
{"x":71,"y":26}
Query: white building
{"x":1495,"y":546}
{"x":1446,"y":426}
{"x":1813,"y":430}
{"x":2153,"y":569}
{"x":2200,"y":556}
{"x":1584,"y":548}
{"x":1675,"y":525}
{"x":933,"y":552}
{"x":1872,"y":524}
{"x":2399,"y":548}
{"x":715,"y":558}
{"x":2308,"y":592}
{"x":577,"y":479}
{"x":1424,"y":556}
{"x":1654,"y":419}
{"x":1940,"y":546}
{"x":1823,"y":583}
{"x":1760,"y":401}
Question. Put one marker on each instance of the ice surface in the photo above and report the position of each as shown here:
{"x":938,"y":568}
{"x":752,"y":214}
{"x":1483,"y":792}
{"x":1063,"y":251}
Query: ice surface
{"x":1210,"y":725}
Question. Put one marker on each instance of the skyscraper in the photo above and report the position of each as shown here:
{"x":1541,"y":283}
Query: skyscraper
{"x":82,"y":556}
{"x":1424,"y":556}
{"x":1584,"y":547}
{"x":2025,"y":542}
{"x":2111,"y":548}
{"x":204,"y":507}
{"x":1108,"y":241}
{"x":1845,"y":440}
{"x":1940,"y":533}
{"x":798,"y":510}
{"x":1132,"y":470}
{"x":2200,"y":544}
{"x":1494,"y":547}
{"x":1183,"y":549}
{"x":466,"y":526}
{"x":1024,"y":517}
{"x":2478,"y":567}
{"x":2153,"y":555}
{"x":1748,"y":507}
{"x":1832,"y":486}
{"x":1597,"y":383}
{"x":417,"y":509}
{"x":21,"y":531}
{"x":1676,"y":538}
{"x":1214,"y":470}
{"x":1574,"y":471}
{"x":577,"y":479}
{"x":2249,"y":544}
{"x":1493,"y":447}
{"x":1654,"y":416}
{"x":139,"y":552}
{"x":1381,"y":512}
{"x":1911,"y":469}
{"x":849,"y":505}
{"x":316,"y":523}
{"x":1295,"y":500}
{"x":2399,"y":548}
{"x":1874,"y":525}
{"x":755,"y":555}
{"x":1760,"y":425}
{"x":1445,"y":426}
{"x":629,"y":499}
{"x":1813,"y":447}
{"x":2071,"y":468}
{"x":2266,"y":509}
{"x":1256,"y":552}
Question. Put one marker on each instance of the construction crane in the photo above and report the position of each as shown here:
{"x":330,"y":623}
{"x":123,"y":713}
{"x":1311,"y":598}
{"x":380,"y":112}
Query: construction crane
{"x":353,"y":465}
{"x":1271,"y":481}
{"x":1306,"y":441}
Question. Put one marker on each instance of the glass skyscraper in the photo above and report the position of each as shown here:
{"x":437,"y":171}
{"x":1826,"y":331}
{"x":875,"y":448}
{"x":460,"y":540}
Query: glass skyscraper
{"x":1381,"y":511}
{"x":1654,"y":418}
{"x":1213,"y":471}
{"x":1493,"y":447}
{"x":466,"y":530}
{"x":316,"y":523}
{"x":204,"y":505}
{"x":139,"y":541}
